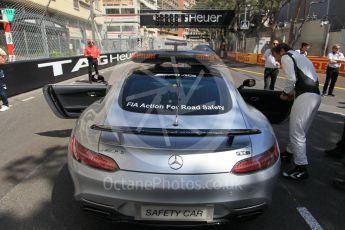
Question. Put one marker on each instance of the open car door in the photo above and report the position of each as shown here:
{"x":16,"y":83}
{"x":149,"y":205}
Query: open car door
{"x":69,"y":101}
{"x":268,"y":102}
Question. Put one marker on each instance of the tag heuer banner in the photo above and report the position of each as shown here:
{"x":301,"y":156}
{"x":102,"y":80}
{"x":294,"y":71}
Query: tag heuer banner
{"x":186,"y":18}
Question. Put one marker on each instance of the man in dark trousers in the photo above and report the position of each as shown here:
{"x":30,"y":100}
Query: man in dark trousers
{"x":335,"y":58}
{"x":302,"y":83}
{"x":271,"y":67}
{"x":92,"y":54}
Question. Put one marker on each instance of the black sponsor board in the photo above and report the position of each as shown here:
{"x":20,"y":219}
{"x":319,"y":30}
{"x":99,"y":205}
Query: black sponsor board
{"x":24,"y":76}
{"x":186,"y":18}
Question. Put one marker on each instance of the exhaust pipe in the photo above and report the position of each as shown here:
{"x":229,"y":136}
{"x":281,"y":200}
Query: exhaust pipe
{"x":249,"y":215}
{"x":96,"y":211}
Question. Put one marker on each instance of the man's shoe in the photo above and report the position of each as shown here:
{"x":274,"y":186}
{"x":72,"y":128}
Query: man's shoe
{"x":300,"y":172}
{"x":331,"y":94}
{"x":286,"y":156}
{"x":339,"y":184}
{"x":324,"y":94}
{"x":335,"y":153}
{"x":4,"y":108}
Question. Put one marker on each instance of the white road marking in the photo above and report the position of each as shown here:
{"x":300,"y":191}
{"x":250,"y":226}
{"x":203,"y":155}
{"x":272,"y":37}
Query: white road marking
{"x":308,"y":217}
{"x":28,"y":99}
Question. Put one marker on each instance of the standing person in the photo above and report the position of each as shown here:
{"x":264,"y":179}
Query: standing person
{"x":3,"y":88}
{"x":334,"y":60}
{"x":302,"y":83}
{"x":92,"y":54}
{"x":304,"y":49}
{"x":271,"y":67}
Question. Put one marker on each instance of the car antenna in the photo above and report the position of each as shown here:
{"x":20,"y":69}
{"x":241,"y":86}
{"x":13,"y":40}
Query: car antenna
{"x":173,"y":61}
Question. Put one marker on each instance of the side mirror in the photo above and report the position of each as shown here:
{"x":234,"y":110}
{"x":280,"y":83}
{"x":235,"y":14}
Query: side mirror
{"x":247,"y":83}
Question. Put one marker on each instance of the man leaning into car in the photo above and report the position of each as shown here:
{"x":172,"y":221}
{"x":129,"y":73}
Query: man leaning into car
{"x":302,"y":84}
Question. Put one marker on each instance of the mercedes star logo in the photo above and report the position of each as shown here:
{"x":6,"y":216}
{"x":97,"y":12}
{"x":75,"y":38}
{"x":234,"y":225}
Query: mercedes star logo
{"x":175,"y":162}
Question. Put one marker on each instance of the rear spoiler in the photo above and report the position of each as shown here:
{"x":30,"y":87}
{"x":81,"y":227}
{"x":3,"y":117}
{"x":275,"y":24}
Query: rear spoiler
{"x":176,"y":132}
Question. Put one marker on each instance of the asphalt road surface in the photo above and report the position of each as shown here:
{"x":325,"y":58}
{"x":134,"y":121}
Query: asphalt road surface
{"x":36,"y":190}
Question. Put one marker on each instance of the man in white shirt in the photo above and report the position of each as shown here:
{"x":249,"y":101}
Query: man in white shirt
{"x":271,"y":67}
{"x":335,"y":58}
{"x":304,"y":49}
{"x":302,"y":83}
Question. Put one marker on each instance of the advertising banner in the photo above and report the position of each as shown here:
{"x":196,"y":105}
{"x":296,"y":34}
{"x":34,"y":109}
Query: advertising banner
{"x":232,"y":55}
{"x":250,"y":58}
{"x":24,"y":76}
{"x":186,"y":18}
{"x":320,"y":64}
{"x":259,"y":60}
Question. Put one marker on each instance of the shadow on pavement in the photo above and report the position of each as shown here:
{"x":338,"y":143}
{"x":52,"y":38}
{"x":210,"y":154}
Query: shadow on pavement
{"x":82,"y":81}
{"x":317,"y":194}
{"x":59,"y":210}
{"x":56,"y":133}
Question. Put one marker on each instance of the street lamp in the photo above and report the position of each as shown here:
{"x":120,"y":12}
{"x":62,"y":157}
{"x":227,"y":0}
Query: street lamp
{"x":328,"y":28}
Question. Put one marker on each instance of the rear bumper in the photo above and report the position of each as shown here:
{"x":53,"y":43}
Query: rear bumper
{"x":119,"y":194}
{"x":108,"y":212}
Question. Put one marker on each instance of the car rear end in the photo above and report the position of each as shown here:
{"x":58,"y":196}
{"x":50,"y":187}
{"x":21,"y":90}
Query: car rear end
{"x":174,"y":147}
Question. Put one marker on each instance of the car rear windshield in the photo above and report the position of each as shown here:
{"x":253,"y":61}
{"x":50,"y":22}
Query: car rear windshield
{"x":169,"y":94}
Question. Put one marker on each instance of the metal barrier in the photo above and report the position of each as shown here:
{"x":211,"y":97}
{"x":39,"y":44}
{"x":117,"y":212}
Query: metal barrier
{"x":320,"y":63}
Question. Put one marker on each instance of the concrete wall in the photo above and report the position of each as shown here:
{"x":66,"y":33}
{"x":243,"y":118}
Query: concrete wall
{"x":312,"y":33}
{"x":337,"y":38}
{"x":257,"y":45}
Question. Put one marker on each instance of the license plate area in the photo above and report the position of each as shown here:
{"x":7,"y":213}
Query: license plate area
{"x":175,"y":213}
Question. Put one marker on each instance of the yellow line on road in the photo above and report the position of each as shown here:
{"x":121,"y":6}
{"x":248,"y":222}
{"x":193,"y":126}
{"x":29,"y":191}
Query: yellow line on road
{"x":261,"y":74}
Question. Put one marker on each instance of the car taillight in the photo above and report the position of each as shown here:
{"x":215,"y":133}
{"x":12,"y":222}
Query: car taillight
{"x":90,"y":158}
{"x":257,"y":163}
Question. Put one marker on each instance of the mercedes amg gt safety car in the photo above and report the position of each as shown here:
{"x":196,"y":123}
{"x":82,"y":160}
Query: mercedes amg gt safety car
{"x":173,"y":141}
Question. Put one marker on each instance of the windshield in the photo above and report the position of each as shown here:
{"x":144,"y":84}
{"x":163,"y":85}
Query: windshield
{"x":159,"y":94}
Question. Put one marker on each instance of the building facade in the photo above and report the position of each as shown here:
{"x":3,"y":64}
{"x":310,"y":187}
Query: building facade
{"x":185,"y":5}
{"x":123,"y":21}
{"x":43,"y":28}
{"x":122,"y":18}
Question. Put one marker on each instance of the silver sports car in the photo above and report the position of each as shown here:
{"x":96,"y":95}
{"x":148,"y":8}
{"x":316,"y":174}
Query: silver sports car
{"x":174,"y":141}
